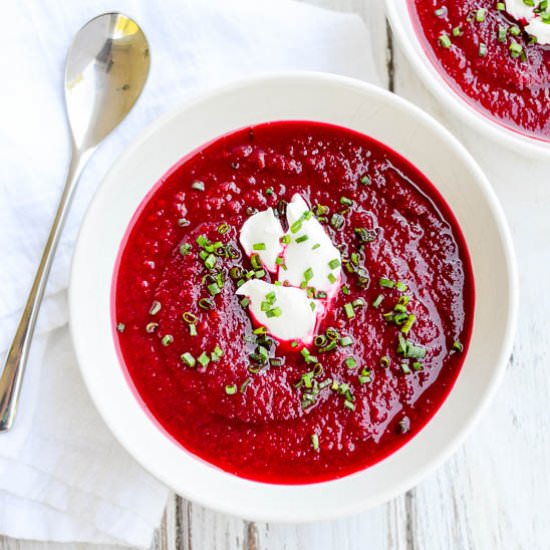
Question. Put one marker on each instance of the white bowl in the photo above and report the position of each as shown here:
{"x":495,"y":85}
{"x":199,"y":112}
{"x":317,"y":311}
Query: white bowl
{"x":317,"y":97}
{"x":409,"y":39}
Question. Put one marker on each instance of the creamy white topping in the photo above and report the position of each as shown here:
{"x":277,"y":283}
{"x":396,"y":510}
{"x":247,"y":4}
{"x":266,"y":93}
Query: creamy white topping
{"x":535,"y":21}
{"x":285,"y":311}
{"x":308,"y":259}
{"x":261,"y":234}
{"x":310,"y":252}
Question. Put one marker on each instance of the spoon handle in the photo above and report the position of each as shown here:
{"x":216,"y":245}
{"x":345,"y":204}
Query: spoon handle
{"x":14,"y":367}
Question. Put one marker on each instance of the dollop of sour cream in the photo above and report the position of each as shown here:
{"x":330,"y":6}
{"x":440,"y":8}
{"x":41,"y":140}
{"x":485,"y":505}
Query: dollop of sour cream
{"x":304,"y":258}
{"x":261,"y":234}
{"x":537,"y":19}
{"x":285,"y":311}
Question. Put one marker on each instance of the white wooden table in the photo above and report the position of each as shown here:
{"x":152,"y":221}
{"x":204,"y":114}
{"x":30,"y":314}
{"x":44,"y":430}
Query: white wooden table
{"x":494,"y":493}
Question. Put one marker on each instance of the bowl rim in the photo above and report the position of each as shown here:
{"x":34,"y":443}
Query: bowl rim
{"x":436,"y":458}
{"x":462,"y":109}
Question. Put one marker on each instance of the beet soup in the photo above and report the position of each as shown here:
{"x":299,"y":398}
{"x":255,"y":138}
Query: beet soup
{"x":293,"y":302}
{"x":496,"y":55}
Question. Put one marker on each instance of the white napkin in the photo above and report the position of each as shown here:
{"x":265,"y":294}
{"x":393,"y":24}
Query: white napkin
{"x":63,"y":477}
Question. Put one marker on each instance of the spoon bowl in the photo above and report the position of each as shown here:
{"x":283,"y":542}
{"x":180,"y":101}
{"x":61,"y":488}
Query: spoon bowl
{"x":106,"y":71}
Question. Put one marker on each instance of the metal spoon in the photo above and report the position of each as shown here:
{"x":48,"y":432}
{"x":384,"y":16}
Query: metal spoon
{"x":105,"y":72}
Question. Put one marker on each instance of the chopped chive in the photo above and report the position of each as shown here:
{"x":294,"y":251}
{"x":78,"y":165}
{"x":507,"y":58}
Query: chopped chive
{"x":245,"y":385}
{"x":365,"y":376}
{"x":198,"y":185}
{"x":302,"y":238}
{"x":337,"y":221}
{"x":167,"y":339}
{"x":321,"y":210}
{"x":417,"y":366}
{"x":155,"y":308}
{"x":182,"y":222}
{"x":185,"y":249}
{"x":213,"y":289}
{"x":205,"y":303}
{"x":188,"y":359}
{"x":210,"y":261}
{"x":359,"y":302}
{"x":151,"y":327}
{"x":331,"y":277}
{"x":275,"y":312}
{"x":346,"y":290}
{"x":189,"y":317}
{"x":365,"y":180}
{"x":203,"y":359}
{"x":223,"y":228}
{"x":408,"y":325}
{"x":402,"y":287}
{"x":385,"y":361}
{"x":457,"y":31}
{"x":308,"y":274}
{"x":260,"y":330}
{"x":480,"y":15}
{"x":315,"y":246}
{"x":296,"y":226}
{"x":349,"y":311}
{"x":269,"y":191}
{"x":457,"y":346}
{"x":315,"y":442}
{"x":502,"y":33}
{"x":294,"y":344}
{"x":346,"y":201}
{"x":260,"y":273}
{"x":482,"y":51}
{"x":405,"y":368}
{"x":515,"y":30}
{"x":258,"y":246}
{"x":192,"y":330}
{"x":231,"y":389}
{"x":350,"y":362}
{"x":378,"y":301}
{"x":349,"y":405}
{"x":384,"y":282}
{"x":121,"y":327}
{"x":333,"y":264}
{"x":202,"y":241}
{"x":440,"y":12}
{"x":285,"y":239}
{"x":444,"y":40}
{"x":346,"y":341}
{"x":216,"y":353}
{"x":255,"y":261}
{"x":501,"y":6}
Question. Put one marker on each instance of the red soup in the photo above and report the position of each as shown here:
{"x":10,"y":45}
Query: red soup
{"x":491,"y":58}
{"x":389,"y":336}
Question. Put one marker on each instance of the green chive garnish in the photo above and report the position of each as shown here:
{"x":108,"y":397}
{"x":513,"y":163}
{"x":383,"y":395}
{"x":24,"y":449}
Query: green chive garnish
{"x":302,"y":238}
{"x":258,"y":246}
{"x":167,"y":339}
{"x":349,"y":311}
{"x":188,"y":359}
{"x":121,"y":327}
{"x":457,"y":346}
{"x":185,"y":249}
{"x":386,"y":283}
{"x":198,"y":185}
{"x":155,"y":308}
{"x":350,"y":362}
{"x":315,"y":442}
{"x":231,"y":389}
{"x":203,"y":359}
{"x":333,"y":264}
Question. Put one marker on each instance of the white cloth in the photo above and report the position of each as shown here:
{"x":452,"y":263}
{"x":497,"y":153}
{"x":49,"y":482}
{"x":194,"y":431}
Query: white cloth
{"x":63,"y":477}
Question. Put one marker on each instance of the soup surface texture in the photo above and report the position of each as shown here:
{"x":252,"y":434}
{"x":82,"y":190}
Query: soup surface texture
{"x":390,"y":336}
